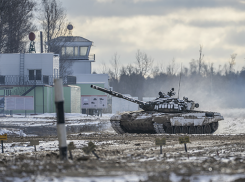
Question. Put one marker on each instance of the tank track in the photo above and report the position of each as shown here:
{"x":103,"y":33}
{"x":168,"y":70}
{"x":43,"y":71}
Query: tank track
{"x":158,"y":128}
{"x":116,"y":126}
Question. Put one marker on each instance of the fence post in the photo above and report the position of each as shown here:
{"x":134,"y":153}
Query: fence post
{"x":61,"y":129}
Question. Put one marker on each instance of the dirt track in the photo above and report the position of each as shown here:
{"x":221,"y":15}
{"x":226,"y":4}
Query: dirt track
{"x":131,"y":154}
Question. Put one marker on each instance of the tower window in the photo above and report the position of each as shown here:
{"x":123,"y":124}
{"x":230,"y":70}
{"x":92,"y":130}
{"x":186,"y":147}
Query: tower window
{"x":69,"y":51}
{"x":75,"y":51}
{"x":83,"y":51}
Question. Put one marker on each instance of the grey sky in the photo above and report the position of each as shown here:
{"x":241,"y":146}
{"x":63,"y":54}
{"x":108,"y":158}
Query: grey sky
{"x":164,"y":29}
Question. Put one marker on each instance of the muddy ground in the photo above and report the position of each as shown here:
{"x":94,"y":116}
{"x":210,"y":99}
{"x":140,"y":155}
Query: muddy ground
{"x":129,"y":157}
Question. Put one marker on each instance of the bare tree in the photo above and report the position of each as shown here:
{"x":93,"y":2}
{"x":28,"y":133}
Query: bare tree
{"x":15,"y":24}
{"x":155,"y":71}
{"x":104,"y":68}
{"x":200,"y":60}
{"x":193,"y":67}
{"x":143,"y":63}
{"x":171,"y":68}
{"x":65,"y":67}
{"x":115,"y":65}
{"x":54,"y":25}
{"x":53,"y":20}
{"x":232,"y":62}
{"x":3,"y":24}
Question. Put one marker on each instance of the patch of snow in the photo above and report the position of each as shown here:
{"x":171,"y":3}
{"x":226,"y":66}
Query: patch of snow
{"x":123,"y":178}
{"x":203,"y":178}
{"x":9,"y":132}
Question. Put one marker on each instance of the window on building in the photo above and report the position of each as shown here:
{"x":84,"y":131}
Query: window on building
{"x":63,"y":51}
{"x":38,"y":75}
{"x":75,"y":51}
{"x":31,"y":75}
{"x":35,"y":74}
{"x":69,"y":51}
{"x":83,"y":51}
{"x":56,"y":73}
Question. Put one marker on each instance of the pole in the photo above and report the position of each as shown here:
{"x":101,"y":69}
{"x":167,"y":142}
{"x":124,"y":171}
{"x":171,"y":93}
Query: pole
{"x":185,"y":147}
{"x":2,"y":146}
{"x":4,"y":102}
{"x":61,"y":129}
{"x":179,"y":80}
{"x":160,"y":149}
{"x":43,"y":99}
{"x":41,"y":41}
{"x":35,"y":100}
{"x":71,"y":155}
{"x":95,"y":154}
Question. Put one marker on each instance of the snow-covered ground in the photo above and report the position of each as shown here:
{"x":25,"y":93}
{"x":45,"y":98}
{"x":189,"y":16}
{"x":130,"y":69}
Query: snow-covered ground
{"x":233,"y":123}
{"x":52,"y":117}
{"x":16,"y":124}
{"x":129,"y":157}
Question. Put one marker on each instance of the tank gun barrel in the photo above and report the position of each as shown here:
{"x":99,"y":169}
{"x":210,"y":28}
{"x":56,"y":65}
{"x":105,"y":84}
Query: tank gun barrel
{"x":116,"y":94}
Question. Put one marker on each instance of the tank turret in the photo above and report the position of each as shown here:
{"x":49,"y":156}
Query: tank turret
{"x":164,"y":103}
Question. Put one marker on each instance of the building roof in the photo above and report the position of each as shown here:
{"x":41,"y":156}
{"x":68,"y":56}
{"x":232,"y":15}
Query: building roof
{"x":71,"y":39}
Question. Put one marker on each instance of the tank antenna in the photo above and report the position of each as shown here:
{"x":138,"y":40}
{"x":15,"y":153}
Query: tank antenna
{"x":179,"y":80}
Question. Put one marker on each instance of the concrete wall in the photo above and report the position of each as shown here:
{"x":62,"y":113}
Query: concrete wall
{"x":44,"y":99}
{"x":10,"y":63}
{"x":67,"y":99}
{"x":93,"y":78}
{"x":87,"y":90}
{"x":75,"y":99}
{"x":81,"y":67}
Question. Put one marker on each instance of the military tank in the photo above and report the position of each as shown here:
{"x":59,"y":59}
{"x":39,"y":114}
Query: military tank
{"x":165,"y":114}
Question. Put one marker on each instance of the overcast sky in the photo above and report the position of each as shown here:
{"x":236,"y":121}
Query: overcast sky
{"x":164,"y":29}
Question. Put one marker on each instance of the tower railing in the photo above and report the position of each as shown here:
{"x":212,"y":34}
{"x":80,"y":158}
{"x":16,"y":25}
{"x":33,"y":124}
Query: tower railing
{"x":25,"y":80}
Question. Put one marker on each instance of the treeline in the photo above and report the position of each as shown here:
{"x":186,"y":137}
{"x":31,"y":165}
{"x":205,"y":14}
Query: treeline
{"x":15,"y":24}
{"x":20,"y":17}
{"x":221,"y":87}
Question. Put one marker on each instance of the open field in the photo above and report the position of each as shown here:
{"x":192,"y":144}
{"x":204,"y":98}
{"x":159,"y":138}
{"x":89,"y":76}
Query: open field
{"x":128,"y":157}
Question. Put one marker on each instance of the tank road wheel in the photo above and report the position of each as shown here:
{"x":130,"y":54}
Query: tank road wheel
{"x":169,"y":130}
{"x":199,"y":130}
{"x":177,"y":129}
{"x":207,"y":129}
{"x":192,"y":130}
{"x":214,"y":126}
{"x":185,"y":129}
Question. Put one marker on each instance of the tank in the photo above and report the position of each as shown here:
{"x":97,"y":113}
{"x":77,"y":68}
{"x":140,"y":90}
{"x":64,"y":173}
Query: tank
{"x":164,"y":114}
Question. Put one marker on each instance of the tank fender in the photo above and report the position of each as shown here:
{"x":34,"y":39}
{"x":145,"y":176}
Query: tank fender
{"x":116,"y":117}
{"x":218,"y":116}
{"x":161,"y":119}
{"x":181,"y":121}
{"x":143,"y":117}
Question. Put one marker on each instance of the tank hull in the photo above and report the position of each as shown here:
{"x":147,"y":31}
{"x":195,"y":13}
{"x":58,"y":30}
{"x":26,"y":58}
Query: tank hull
{"x":192,"y":122}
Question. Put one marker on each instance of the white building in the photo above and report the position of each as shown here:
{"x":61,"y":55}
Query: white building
{"x":77,"y":50}
{"x":29,"y":64}
{"x":33,"y":74}
{"x":24,"y":68}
